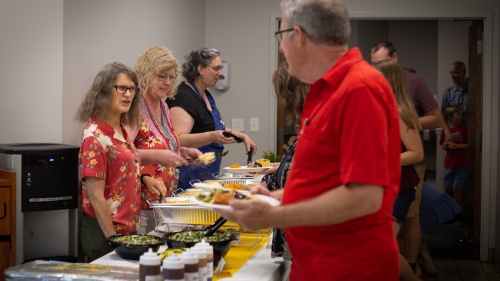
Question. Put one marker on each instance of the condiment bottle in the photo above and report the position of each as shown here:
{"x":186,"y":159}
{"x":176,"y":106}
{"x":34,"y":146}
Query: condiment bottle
{"x":173,"y":269}
{"x":191,"y":266}
{"x":150,"y":267}
{"x":209,"y":250}
{"x":202,"y":261}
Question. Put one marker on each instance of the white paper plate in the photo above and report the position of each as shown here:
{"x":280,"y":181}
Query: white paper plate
{"x":268,"y":199}
{"x":246,"y":169}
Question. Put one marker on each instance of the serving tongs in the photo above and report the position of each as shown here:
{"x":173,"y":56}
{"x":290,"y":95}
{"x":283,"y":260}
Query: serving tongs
{"x":249,"y":158}
{"x":209,"y":231}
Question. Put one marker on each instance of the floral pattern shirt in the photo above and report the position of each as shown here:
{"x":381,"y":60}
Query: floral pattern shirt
{"x":153,"y":135}
{"x":106,"y":155}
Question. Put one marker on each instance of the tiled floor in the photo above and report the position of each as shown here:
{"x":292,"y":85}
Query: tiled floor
{"x":451,"y":248}
{"x":464,"y":270}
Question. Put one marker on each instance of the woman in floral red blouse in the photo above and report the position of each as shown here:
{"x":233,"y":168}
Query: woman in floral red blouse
{"x":109,"y":164}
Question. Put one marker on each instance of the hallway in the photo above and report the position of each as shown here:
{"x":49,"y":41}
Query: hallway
{"x":463,"y":270}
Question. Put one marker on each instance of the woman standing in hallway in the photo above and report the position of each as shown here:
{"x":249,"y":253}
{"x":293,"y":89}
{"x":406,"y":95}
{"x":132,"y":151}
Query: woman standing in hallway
{"x":413,"y":152}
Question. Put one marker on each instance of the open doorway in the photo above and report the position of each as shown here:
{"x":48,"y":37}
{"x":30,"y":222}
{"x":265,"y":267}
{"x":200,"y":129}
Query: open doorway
{"x":430,"y":46}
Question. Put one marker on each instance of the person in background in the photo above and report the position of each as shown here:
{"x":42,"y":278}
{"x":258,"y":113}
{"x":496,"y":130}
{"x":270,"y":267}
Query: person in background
{"x":109,"y":164}
{"x":338,"y":197}
{"x":155,"y":138}
{"x":457,"y":93}
{"x":455,"y":162}
{"x":291,"y":94}
{"x":413,"y":152}
{"x":430,"y":117}
{"x":437,"y":210}
{"x":196,"y":118}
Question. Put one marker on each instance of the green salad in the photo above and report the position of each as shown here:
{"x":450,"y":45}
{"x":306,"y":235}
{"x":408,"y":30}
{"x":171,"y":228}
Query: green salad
{"x":134,"y":239}
{"x":197,"y":236}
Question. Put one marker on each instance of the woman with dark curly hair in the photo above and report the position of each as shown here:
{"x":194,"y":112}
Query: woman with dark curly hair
{"x":195,"y":116}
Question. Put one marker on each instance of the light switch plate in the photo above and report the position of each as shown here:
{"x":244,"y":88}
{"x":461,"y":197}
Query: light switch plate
{"x":238,"y":124}
{"x":254,"y":124}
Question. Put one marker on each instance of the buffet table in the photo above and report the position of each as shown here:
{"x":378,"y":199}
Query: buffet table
{"x":261,"y":266}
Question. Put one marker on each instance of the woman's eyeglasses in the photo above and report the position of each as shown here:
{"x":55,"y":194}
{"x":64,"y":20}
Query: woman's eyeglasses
{"x":120,"y":89}
{"x":217,"y":68}
{"x":162,"y":78}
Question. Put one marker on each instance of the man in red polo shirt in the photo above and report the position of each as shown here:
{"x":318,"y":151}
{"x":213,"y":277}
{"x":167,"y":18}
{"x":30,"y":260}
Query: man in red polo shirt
{"x":337,"y":202}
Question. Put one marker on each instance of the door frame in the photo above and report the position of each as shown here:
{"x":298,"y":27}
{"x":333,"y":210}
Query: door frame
{"x":490,"y":114}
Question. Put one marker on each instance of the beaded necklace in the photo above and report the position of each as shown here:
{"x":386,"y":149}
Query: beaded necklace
{"x":169,"y":137}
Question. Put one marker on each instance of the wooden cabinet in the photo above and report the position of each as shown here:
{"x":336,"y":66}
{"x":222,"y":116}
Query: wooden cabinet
{"x":7,"y":220}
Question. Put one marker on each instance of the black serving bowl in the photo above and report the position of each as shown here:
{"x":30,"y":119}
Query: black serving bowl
{"x":221,"y":248}
{"x":131,"y":250}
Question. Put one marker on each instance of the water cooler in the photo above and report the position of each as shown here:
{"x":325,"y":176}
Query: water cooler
{"x":47,"y":190}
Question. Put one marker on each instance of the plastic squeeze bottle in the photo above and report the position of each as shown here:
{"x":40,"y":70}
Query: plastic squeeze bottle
{"x":202,"y":261}
{"x":173,"y":269}
{"x":191,"y":266}
{"x":209,"y":250}
{"x":150,"y":267}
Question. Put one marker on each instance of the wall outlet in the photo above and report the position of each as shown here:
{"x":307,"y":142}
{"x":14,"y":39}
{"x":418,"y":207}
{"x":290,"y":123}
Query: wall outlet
{"x":238,"y":124}
{"x":254,"y":124}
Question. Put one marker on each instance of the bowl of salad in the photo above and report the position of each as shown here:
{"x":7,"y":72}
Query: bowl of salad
{"x":220,"y":241}
{"x":132,"y":246}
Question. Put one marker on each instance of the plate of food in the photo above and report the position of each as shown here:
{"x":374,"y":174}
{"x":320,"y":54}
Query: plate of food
{"x":219,"y":198}
{"x":258,"y":166}
{"x":209,"y":185}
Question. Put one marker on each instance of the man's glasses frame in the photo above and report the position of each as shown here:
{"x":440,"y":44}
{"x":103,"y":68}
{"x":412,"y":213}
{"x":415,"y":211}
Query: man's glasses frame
{"x":121,"y":89}
{"x":279,"y":34}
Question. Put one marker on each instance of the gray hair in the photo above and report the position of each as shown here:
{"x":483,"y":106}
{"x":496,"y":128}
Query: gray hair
{"x":323,"y":21}
{"x":198,"y":57}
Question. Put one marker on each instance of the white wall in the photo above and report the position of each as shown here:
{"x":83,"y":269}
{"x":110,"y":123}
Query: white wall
{"x":99,"y":32}
{"x":31,"y":71}
{"x":240,"y":30}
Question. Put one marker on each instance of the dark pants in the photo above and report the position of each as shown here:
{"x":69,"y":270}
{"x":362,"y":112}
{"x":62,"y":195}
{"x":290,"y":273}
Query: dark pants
{"x":402,"y":204}
{"x":94,"y":244}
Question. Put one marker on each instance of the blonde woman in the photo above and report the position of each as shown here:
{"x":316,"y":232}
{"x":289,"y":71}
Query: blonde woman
{"x":413,"y":151}
{"x":158,"y":144}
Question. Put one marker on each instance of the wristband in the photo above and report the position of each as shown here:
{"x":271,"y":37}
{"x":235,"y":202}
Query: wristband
{"x":142,"y":178}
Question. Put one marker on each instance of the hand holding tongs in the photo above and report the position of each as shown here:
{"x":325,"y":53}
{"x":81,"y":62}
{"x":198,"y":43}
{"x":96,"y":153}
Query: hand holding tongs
{"x":249,"y":153}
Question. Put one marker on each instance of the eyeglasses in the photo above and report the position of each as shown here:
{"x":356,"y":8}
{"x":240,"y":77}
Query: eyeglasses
{"x":217,"y":68}
{"x":163,"y":78}
{"x":120,"y":89}
{"x":279,"y":34}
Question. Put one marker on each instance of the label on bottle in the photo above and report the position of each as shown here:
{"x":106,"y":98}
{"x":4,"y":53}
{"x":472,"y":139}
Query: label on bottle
{"x":203,"y":273}
{"x":154,"y":278}
{"x":210,"y":270}
{"x":192,"y":276}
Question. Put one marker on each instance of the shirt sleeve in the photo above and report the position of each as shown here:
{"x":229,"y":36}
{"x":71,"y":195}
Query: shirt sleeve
{"x":93,"y":159}
{"x":425,"y":96}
